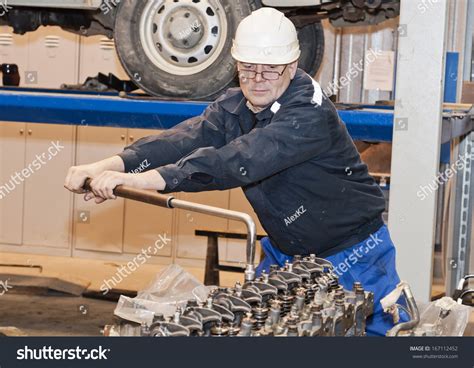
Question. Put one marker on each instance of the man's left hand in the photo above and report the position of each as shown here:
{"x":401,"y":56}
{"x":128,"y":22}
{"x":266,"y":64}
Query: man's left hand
{"x":103,"y":185}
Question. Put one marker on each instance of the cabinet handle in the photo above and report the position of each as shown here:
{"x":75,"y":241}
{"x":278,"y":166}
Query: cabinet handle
{"x":30,"y":132}
{"x":131,"y":138}
{"x":122,"y":137}
{"x":22,"y":131}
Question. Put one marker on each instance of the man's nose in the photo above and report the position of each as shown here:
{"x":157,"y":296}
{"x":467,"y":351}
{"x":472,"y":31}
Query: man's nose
{"x":259,"y":78}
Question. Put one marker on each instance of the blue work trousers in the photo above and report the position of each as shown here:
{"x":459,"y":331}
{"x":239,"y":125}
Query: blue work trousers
{"x":371,"y":262}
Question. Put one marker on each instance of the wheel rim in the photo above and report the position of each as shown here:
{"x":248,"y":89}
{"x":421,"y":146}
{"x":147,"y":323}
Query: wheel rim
{"x":183,"y":37}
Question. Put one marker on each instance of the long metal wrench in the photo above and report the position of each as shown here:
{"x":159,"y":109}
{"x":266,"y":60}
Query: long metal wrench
{"x":170,"y":202}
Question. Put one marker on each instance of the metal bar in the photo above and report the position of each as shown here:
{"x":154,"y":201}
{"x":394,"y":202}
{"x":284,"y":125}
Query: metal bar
{"x":456,"y":125}
{"x":144,"y":196}
{"x":229,"y":268}
{"x":451,"y":75}
{"x":157,"y":199}
{"x":231,"y":215}
{"x":467,"y":72}
{"x":369,"y":125}
{"x":463,"y":201}
{"x":68,"y":4}
{"x":222,"y":234}
{"x":211,"y":274}
{"x":93,"y":110}
{"x":39,"y":267}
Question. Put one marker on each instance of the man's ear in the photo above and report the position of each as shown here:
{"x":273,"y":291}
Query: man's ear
{"x":293,"y":69}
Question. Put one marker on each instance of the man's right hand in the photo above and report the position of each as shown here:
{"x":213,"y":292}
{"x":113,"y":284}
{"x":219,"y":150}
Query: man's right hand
{"x":77,"y":175}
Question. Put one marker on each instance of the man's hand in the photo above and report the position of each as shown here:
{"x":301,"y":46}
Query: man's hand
{"x":77,"y":175}
{"x":103,"y":185}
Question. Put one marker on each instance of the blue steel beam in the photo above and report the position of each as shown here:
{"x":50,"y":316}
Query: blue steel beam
{"x":369,"y":125}
{"x":111,"y":111}
{"x":92,"y":110}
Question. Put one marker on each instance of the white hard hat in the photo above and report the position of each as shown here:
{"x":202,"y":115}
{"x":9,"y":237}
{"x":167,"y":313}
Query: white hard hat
{"x":266,"y":37}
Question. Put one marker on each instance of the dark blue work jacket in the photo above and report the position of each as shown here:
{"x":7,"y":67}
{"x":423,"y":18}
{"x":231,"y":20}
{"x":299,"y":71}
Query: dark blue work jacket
{"x":295,"y":162}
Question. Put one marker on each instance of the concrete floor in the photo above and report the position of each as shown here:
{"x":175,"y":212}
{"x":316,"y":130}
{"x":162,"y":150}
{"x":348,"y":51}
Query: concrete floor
{"x":55,"y":315}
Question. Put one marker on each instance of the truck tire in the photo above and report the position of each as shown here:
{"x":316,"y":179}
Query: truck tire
{"x":312,"y":47}
{"x":179,"y":48}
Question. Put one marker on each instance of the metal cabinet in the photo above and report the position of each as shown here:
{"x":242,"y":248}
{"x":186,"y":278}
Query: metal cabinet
{"x":98,"y":227}
{"x":35,"y":209}
{"x":189,"y":245}
{"x":14,"y":50}
{"x":12,"y":161}
{"x":146,"y":225}
{"x":53,"y":58}
{"x":47,"y":210}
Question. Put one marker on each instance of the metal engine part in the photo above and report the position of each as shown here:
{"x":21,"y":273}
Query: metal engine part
{"x":404,"y":328}
{"x":463,"y":293}
{"x":303,"y":298}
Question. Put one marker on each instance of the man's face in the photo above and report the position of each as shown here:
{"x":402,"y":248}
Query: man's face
{"x":264,"y":89}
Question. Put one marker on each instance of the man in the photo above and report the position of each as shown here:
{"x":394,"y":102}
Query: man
{"x":282,"y":141}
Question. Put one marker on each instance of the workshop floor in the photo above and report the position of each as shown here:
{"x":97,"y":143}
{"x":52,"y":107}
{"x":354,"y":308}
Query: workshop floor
{"x":95,"y":271}
{"x":55,"y":315}
{"x":36,"y":313}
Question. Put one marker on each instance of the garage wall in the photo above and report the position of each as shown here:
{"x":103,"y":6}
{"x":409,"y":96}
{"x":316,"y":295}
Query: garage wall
{"x":347,"y":48}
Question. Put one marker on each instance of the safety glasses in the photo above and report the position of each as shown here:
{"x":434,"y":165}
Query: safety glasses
{"x":251,"y":72}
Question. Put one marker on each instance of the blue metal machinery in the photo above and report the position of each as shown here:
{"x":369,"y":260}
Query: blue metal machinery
{"x":366,"y":123}
{"x":110,"y":110}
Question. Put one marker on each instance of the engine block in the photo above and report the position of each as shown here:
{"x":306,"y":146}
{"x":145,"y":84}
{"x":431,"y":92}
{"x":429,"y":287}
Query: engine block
{"x":303,"y":298}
